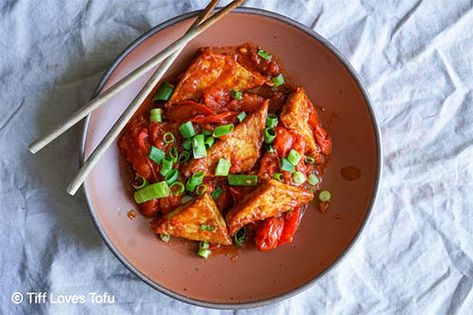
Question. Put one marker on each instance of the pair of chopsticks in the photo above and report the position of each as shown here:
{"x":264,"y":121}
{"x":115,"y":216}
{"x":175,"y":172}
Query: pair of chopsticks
{"x":164,"y":59}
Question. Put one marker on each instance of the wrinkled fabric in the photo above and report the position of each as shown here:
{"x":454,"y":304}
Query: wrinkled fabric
{"x":416,"y":59}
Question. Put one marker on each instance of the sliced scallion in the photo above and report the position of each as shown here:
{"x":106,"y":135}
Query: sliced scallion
{"x":240,"y":236}
{"x":168,"y":137}
{"x":287,"y":166}
{"x":241,"y":116}
{"x":156,"y":155}
{"x":174,"y":154}
{"x":269,"y":135}
{"x":217,"y":193}
{"x":141,"y":182}
{"x":177,"y":188}
{"x":156,"y":115}
{"x":201,"y":189}
{"x":278,"y":81}
{"x":207,"y":227}
{"x":164,"y":92}
{"x":198,"y":146}
{"x":294,"y":157}
{"x":171,"y":176}
{"x":236,"y":94}
{"x":223,"y":167}
{"x":309,"y":160}
{"x":183,"y":157}
{"x":264,"y":54}
{"x":277,"y":176}
{"x":209,"y":142}
{"x":187,"y":130}
{"x":325,"y":196}
{"x":313,"y":179}
{"x":187,"y":144}
{"x":298,"y":178}
{"x":204,"y":250}
{"x":166,"y":166}
{"x":223,"y":130}
{"x":242,"y":180}
{"x":164,"y":237}
{"x":153,"y":191}
{"x":207,"y":132}
{"x":272,"y":120}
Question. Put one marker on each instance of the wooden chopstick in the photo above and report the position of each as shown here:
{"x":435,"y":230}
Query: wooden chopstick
{"x":148,"y":87}
{"x":130,"y":78}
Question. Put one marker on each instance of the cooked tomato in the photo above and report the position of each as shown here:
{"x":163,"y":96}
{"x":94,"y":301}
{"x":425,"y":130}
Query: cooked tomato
{"x":186,"y":110}
{"x":223,"y":118}
{"x":268,"y":233}
{"x":292,"y":219}
{"x":283,"y":141}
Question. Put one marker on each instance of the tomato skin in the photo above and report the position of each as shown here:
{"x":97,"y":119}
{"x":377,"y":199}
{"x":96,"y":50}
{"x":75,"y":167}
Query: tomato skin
{"x":283,"y":141}
{"x":150,"y":208}
{"x":320,"y":134}
{"x":292,"y":219}
{"x":186,"y":110}
{"x":222,"y":118}
{"x":268,"y":233}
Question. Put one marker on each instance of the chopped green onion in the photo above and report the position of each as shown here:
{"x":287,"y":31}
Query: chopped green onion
{"x":164,"y":237}
{"x":207,"y":132}
{"x":198,"y":147}
{"x":236,"y":94}
{"x":171,"y":176}
{"x":201,"y":189}
{"x":298,"y":178}
{"x":264,"y":54}
{"x":269,"y":135}
{"x":187,"y":130}
{"x":309,"y":160}
{"x":270,"y":148}
{"x":325,"y":195}
{"x":278,"y":81}
{"x":195,"y":180}
{"x":240,"y":236}
{"x":242,"y":180}
{"x":187,"y":144}
{"x":272,"y":120}
{"x":223,"y":167}
{"x":173,"y":154}
{"x":168,"y":137}
{"x":278,"y":176}
{"x":143,"y":182}
{"x":164,"y":92}
{"x":204,"y":250}
{"x":217,"y":193}
{"x":223,"y":130}
{"x":166,"y":166}
{"x":156,"y":115}
{"x":294,"y":157}
{"x":209,"y":142}
{"x":206,"y":227}
{"x":287,"y":166}
{"x":156,"y":154}
{"x":177,"y":188}
{"x":183,"y":157}
{"x":153,"y":191}
{"x":241,"y":116}
{"x":185,"y":199}
{"x":313,"y":179}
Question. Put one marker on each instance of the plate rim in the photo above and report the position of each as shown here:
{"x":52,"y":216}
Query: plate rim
{"x":346,"y":251}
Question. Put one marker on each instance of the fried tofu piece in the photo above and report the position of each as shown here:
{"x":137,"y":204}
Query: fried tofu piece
{"x":242,"y":146}
{"x":295,"y":116}
{"x":268,"y":200}
{"x":214,"y":69}
{"x":198,"y":220}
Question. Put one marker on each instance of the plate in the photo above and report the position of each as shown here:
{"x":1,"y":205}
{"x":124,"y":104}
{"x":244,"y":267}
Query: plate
{"x":249,"y":278}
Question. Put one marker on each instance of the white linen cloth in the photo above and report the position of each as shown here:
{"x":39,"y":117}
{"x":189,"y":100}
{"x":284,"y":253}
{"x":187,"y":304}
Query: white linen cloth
{"x":416,"y":58}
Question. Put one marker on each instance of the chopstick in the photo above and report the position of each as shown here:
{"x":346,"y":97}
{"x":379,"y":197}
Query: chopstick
{"x":148,"y":87}
{"x":130,"y":78}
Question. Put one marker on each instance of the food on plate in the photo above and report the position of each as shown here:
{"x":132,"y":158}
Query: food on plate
{"x":227,"y":154}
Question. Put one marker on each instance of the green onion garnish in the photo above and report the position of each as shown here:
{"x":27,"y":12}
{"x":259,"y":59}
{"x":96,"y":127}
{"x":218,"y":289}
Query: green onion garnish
{"x":198,"y":147}
{"x":298,"y":178}
{"x":277,"y":176}
{"x":187,"y":130}
{"x":207,"y":132}
{"x":206,"y":227}
{"x":294,"y":157}
{"x":325,"y":195}
{"x":223,"y":167}
{"x":269,"y":135}
{"x":204,"y":250}
{"x":183,"y":157}
{"x":217,"y":192}
{"x":168,"y":137}
{"x":164,"y":92}
{"x":309,"y":160}
{"x":264,"y":54}
{"x":156,"y":154}
{"x":209,"y":142}
{"x":164,"y":237}
{"x":166,"y":166}
{"x":143,"y":182}
{"x":287,"y":166}
{"x":153,"y":191}
{"x":177,"y":188}
{"x":185,"y":199}
{"x":242,"y":180}
{"x":270,"y":148}
{"x":240,"y":236}
{"x":171,"y":176}
{"x":223,"y":130}
{"x":278,"y":81}
{"x":201,"y":189}
{"x":187,"y":144}
{"x":173,"y":154}
{"x":195,"y":180}
{"x":241,"y":116}
{"x":236,"y":94}
{"x":313,"y":179}
{"x":156,"y":115}
{"x":272,"y":120}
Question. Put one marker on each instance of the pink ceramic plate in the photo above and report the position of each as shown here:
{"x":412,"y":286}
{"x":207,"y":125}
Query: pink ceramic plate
{"x":250,"y":278}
